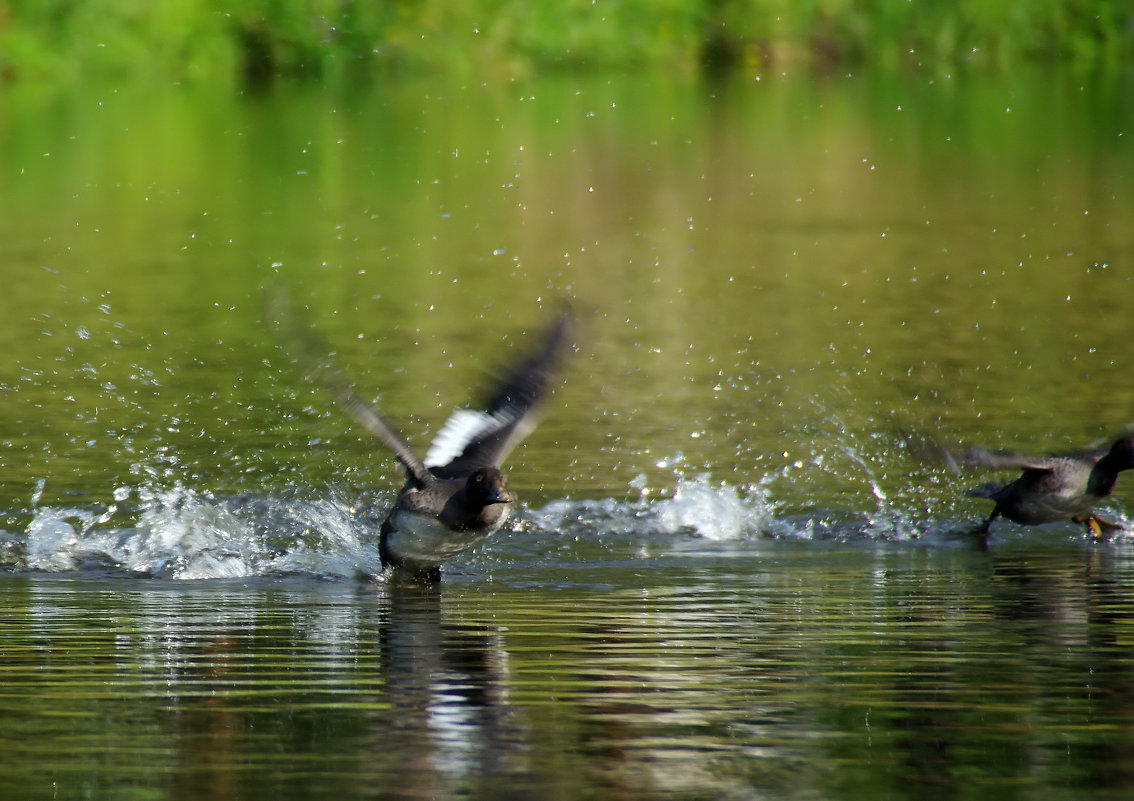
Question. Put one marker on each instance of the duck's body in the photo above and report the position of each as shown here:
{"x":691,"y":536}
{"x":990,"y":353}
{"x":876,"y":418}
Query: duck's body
{"x":457,"y":496}
{"x":1053,"y":488}
{"x":429,"y":524}
{"x":422,"y":541}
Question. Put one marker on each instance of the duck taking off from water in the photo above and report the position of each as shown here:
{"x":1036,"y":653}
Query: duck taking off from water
{"x":1053,"y":488}
{"x":457,"y":496}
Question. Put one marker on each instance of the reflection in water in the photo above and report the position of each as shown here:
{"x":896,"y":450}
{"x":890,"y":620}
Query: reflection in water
{"x":1108,"y":633}
{"x":452,"y":725}
{"x":214,"y":685}
{"x":786,"y":669}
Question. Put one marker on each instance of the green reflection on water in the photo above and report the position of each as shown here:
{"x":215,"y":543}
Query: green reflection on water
{"x":803,"y":671}
{"x":771,"y":273}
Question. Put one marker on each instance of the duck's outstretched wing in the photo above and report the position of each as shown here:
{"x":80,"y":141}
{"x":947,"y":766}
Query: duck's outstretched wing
{"x":929,"y":449}
{"x":472,"y":439}
{"x":1006,"y":459}
{"x":1100,"y":448}
{"x":313,"y":356}
{"x":1003,"y":460}
{"x":368,"y":416}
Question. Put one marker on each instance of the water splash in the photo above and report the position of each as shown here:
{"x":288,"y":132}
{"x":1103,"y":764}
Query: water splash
{"x":715,"y":511}
{"x":698,"y":506}
{"x":181,"y":533}
{"x":57,"y":537}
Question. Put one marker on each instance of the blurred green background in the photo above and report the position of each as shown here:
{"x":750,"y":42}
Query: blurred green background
{"x":257,"y":40}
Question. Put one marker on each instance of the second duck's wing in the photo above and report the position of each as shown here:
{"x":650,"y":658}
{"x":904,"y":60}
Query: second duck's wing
{"x":471,"y":439}
{"x":929,"y":449}
{"x":1004,"y":460}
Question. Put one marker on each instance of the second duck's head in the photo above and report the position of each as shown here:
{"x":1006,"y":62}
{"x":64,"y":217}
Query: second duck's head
{"x":487,"y":486}
{"x":1121,"y":454}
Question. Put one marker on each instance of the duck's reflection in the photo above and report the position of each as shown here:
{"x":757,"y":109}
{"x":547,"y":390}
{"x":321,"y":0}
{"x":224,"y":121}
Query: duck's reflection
{"x":1045,"y":642}
{"x":447,"y":686}
{"x":381,"y":691}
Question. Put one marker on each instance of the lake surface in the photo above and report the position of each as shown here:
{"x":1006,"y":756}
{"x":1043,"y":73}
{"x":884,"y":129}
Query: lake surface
{"x":728,"y":577}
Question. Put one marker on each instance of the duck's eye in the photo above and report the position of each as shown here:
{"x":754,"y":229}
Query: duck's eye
{"x":479,"y":478}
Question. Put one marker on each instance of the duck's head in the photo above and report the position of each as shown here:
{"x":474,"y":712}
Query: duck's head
{"x":1121,"y":454}
{"x":487,"y":486}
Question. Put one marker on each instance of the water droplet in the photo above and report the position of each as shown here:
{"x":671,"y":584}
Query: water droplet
{"x":37,"y":493}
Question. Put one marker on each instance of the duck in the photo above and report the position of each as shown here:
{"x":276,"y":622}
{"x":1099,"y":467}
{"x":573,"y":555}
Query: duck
{"x":1053,"y":488}
{"x":457,"y":496}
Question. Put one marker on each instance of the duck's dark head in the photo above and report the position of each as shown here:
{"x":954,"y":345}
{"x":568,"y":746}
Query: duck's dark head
{"x":1121,"y":454}
{"x":488,"y":486}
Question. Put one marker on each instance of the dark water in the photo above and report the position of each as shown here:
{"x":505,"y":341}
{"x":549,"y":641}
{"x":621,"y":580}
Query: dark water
{"x":784,"y":670}
{"x":728,"y":578}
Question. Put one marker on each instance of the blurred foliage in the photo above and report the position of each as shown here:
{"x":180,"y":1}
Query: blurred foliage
{"x":258,"y":40}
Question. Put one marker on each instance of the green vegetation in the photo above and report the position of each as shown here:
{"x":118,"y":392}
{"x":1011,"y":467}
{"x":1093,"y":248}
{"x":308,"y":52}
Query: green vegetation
{"x":259,"y":40}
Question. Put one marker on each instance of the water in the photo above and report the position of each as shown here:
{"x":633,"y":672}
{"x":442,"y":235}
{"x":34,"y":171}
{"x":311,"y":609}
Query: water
{"x":779,"y":669}
{"x":727,"y":578}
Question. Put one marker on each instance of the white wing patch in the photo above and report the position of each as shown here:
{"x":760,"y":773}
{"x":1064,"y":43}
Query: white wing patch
{"x":462,"y":427}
